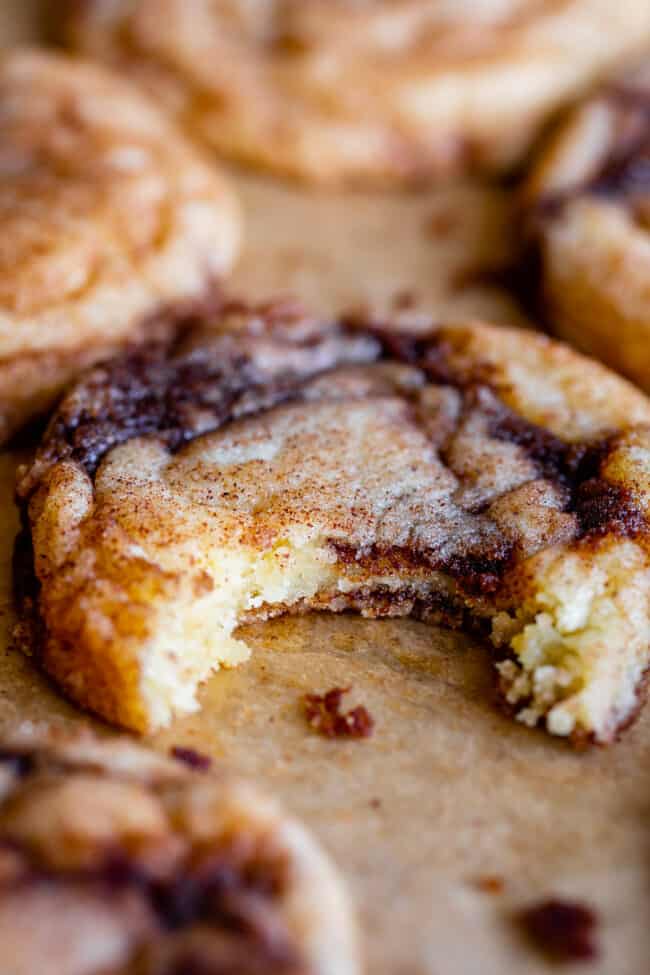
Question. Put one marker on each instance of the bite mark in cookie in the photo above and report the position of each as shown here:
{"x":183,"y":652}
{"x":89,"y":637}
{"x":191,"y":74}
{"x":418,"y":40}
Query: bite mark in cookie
{"x":471,"y":475}
{"x":115,"y":859}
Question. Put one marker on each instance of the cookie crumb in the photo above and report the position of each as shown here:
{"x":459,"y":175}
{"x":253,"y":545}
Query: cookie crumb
{"x":192,"y":758}
{"x":564,"y":930}
{"x":323,"y":714}
{"x":441,"y":224}
{"x":405,"y":300}
{"x":490,"y":884}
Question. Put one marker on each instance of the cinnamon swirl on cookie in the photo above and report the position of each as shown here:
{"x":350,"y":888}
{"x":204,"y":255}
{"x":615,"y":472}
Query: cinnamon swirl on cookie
{"x":362,"y":91}
{"x":471,"y":475}
{"x":110,"y":220}
{"x":587,"y":225}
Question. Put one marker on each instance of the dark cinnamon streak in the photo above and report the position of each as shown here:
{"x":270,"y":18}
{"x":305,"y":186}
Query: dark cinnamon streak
{"x":626,"y":170}
{"x":190,"y":757}
{"x":600,"y":507}
{"x":477,"y":572}
{"x":179,"y":390}
{"x":622,"y":176}
{"x":20,"y":764}
{"x":147,"y":394}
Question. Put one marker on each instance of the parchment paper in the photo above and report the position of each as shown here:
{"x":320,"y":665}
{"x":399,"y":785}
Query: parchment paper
{"x":447,"y":791}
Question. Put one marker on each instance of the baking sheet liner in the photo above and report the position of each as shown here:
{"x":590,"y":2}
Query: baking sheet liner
{"x":447,"y":791}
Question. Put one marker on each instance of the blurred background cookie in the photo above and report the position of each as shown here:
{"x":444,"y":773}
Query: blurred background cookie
{"x":114,"y":859}
{"x":587,"y":223}
{"x":383,"y":91}
{"x":108,"y":216}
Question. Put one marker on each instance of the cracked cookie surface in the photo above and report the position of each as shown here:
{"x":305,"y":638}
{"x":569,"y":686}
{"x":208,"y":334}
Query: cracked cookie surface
{"x":269,"y":463}
{"x":587,"y":223}
{"x":376,"y":91}
{"x":115,"y":859}
{"x":108,"y":217}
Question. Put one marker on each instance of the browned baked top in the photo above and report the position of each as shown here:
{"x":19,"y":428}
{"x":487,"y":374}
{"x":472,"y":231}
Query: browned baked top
{"x":275,"y":355}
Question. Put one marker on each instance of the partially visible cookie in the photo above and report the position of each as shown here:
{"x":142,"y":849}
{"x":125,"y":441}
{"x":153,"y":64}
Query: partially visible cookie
{"x":116,"y":860}
{"x":587,"y":227}
{"x":108,"y":216}
{"x":377,"y":91}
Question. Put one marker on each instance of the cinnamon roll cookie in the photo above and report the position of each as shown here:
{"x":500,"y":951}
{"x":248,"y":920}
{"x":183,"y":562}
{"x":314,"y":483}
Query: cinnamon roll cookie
{"x":587,"y":225}
{"x":108,"y":216}
{"x":474,"y":476}
{"x":114,"y":859}
{"x":370,"y":91}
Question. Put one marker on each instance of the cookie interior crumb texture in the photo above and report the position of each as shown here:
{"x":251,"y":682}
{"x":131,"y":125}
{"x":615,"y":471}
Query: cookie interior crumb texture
{"x":474,"y":476}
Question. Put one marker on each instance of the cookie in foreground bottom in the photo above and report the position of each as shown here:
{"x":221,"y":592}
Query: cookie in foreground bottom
{"x":114,"y":859}
{"x":476,"y":476}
